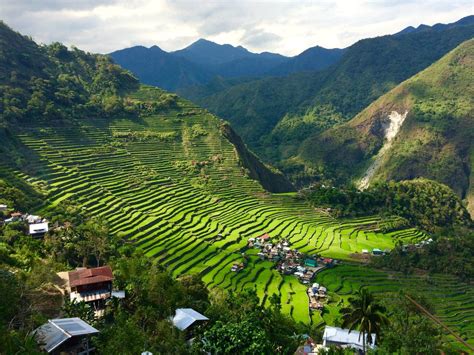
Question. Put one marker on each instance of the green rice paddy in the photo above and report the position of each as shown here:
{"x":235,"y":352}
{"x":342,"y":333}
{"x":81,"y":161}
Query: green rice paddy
{"x":175,"y":185}
{"x":452,"y":300}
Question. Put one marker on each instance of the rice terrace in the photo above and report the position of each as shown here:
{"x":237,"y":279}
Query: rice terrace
{"x":174,"y":186}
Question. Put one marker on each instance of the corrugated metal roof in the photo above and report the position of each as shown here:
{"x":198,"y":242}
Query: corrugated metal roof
{"x":184,"y":317}
{"x":57,"y":331}
{"x":343,"y":336}
{"x":90,"y":276}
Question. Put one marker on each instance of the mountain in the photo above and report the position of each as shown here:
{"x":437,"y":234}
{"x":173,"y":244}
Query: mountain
{"x":153,"y":66}
{"x":53,"y":87}
{"x":194,"y":65}
{"x":192,"y":69}
{"x":465,"y":21}
{"x":313,"y":59}
{"x":424,"y":127}
{"x":274,"y":115}
{"x":165,"y":176}
{"x":206,"y":53}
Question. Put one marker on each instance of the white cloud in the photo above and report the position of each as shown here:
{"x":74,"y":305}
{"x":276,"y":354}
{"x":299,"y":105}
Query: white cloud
{"x":283,"y":26}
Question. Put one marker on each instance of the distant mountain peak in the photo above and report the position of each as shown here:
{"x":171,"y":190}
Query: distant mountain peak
{"x":465,"y":21}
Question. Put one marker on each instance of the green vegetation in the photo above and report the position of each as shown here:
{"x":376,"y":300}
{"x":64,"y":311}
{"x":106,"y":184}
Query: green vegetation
{"x":449,"y":299}
{"x":365,"y":314}
{"x":434,"y":141}
{"x":313,"y":101}
{"x":424,"y":203}
{"x":449,"y":253}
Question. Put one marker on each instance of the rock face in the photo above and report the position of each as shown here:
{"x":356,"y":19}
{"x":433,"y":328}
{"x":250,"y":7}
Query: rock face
{"x":424,"y":127}
{"x":395,"y":121}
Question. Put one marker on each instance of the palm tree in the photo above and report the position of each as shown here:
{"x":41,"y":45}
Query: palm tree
{"x":366,"y":314}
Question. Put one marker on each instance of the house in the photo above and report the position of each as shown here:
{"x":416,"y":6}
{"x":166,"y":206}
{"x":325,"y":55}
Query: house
{"x":92,"y":286}
{"x":3,"y":207}
{"x":65,"y":335}
{"x":264,"y":237}
{"x":38,"y":229}
{"x":310,"y":262}
{"x":345,"y":338}
{"x":186,"y":317}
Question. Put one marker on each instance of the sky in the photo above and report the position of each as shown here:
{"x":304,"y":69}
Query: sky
{"x":287,"y":27}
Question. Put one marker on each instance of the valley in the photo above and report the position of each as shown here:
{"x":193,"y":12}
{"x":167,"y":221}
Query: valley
{"x":171,"y":185}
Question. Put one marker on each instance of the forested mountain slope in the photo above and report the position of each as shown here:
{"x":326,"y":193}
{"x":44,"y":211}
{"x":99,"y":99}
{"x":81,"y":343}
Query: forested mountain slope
{"x":422,"y":128}
{"x":274,"y":115}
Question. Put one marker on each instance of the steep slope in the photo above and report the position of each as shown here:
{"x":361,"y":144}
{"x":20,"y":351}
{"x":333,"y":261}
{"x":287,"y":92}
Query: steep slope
{"x":169,"y":178}
{"x":366,"y":70}
{"x":153,"y":66}
{"x":53,"y":84}
{"x":422,"y":128}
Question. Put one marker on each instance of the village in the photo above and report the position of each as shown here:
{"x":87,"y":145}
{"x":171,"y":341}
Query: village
{"x":95,"y":288}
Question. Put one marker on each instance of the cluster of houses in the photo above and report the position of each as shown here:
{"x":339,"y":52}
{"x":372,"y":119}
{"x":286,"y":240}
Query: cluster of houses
{"x":94,"y":286}
{"x":289,"y":261}
{"x":317,"y":295}
{"x":37,"y":226}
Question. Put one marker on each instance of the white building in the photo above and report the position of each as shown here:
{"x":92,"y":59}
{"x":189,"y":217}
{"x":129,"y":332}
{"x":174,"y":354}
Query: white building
{"x":38,"y":228}
{"x":345,"y":338}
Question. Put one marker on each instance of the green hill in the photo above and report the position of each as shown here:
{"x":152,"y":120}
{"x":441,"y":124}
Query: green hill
{"x":169,"y":177}
{"x":435,"y":138}
{"x":274,"y":115}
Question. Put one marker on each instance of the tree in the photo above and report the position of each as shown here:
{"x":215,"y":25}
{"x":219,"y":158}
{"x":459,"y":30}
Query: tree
{"x":366,"y":314}
{"x":95,"y":241}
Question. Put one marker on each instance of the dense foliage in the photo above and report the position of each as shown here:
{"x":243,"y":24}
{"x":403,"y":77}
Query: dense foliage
{"x":435,"y":140}
{"x":52,"y":82}
{"x":422,"y":202}
{"x":451,"y":252}
{"x":367,"y":70}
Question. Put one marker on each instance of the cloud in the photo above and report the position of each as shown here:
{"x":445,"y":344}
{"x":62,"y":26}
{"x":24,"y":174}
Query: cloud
{"x":258,"y":38}
{"x":282,"y":26}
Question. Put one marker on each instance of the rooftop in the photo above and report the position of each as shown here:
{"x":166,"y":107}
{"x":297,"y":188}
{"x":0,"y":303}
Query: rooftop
{"x":57,"y":331}
{"x":90,"y":276}
{"x":184,"y":317}
{"x":341,"y":336}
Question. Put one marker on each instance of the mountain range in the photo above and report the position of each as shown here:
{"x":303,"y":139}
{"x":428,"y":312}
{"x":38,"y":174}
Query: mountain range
{"x":204,"y":60}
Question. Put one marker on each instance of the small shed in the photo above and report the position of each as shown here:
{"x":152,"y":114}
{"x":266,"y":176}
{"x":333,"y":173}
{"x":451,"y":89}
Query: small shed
{"x":64,"y":335}
{"x":185,"y":317}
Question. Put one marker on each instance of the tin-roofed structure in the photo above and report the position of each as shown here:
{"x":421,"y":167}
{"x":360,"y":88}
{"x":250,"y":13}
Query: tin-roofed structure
{"x":345,"y":338}
{"x":64,"y":335}
{"x":185,"y":317}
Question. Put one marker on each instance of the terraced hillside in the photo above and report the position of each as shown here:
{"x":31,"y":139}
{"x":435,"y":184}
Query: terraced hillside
{"x":452,"y":301}
{"x":173,"y":185}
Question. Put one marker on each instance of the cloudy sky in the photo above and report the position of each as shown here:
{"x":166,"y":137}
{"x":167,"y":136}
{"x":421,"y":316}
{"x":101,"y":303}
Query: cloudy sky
{"x":284,"y":26}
